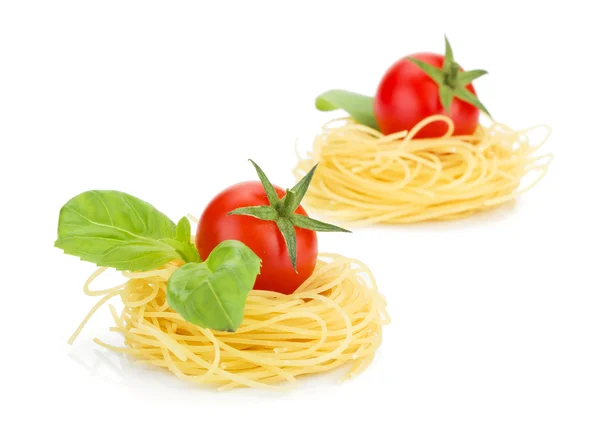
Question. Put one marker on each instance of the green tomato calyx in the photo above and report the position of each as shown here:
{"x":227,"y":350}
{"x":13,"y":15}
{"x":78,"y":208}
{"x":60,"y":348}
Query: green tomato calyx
{"x":282,"y":211}
{"x":451,"y":81}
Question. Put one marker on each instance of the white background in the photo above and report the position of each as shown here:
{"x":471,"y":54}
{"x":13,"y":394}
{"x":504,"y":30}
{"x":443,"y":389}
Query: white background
{"x":496,"y":322}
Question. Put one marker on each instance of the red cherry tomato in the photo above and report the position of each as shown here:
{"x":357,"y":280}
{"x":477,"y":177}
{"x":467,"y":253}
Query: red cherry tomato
{"x":406,"y":95}
{"x":263,"y":237}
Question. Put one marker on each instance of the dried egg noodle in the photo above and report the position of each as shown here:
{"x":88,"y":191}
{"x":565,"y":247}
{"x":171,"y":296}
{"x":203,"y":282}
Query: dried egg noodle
{"x":333,"y":319}
{"x":367,"y":177}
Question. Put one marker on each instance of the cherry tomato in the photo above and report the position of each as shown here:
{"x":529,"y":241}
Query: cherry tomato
{"x":263,"y":237}
{"x":406,"y":95}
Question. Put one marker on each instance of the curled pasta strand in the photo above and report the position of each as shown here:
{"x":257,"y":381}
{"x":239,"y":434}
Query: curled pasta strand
{"x":333,"y":319}
{"x":365,"y":177}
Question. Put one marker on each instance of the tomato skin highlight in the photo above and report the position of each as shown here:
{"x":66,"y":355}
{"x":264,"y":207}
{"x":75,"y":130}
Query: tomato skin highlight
{"x":406,"y":95}
{"x":263,"y":237}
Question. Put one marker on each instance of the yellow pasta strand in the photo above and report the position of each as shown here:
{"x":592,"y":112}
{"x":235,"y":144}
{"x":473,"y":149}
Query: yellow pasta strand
{"x":367,"y":177}
{"x":334,"y":318}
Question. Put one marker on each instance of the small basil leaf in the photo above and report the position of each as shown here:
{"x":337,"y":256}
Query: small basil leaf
{"x":116,"y":230}
{"x":184,"y":230}
{"x":360,"y":107}
{"x":213,"y":294}
{"x":183,"y":241}
{"x":187,"y":251}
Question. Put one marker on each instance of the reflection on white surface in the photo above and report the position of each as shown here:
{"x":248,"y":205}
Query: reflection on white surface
{"x":117,"y":369}
{"x":97,"y":367}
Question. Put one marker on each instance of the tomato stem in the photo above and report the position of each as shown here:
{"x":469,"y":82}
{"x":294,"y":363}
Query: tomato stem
{"x":452,"y":82}
{"x":281,"y":211}
{"x":289,"y":203}
{"x":451,"y":76}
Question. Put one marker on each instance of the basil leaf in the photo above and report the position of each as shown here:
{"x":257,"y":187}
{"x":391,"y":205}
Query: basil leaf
{"x":187,"y":251}
{"x":116,"y":230}
{"x":184,"y":230}
{"x":360,"y":107}
{"x":213,"y":294}
{"x":183,"y":241}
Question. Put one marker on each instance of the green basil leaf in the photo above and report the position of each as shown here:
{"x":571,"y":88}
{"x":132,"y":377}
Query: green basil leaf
{"x":183,"y":241}
{"x":184,"y":230}
{"x":213,"y":294}
{"x":187,"y":251}
{"x":359,"y":107}
{"x":116,"y":230}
